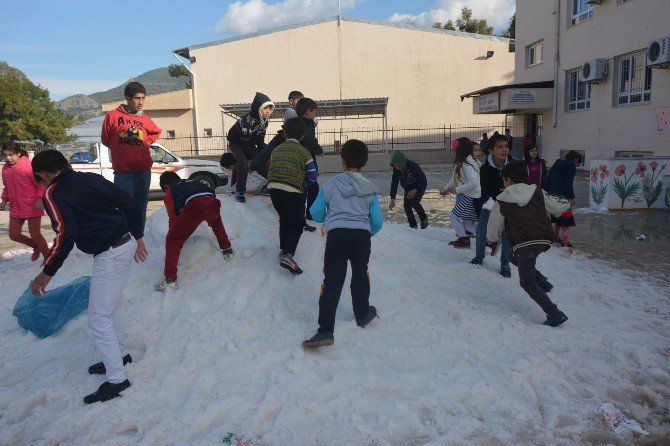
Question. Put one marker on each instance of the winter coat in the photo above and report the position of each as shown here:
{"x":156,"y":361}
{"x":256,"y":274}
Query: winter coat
{"x":180,"y":192}
{"x":543,"y":171}
{"x":128,"y":137}
{"x":410,"y":178}
{"x":291,"y":167}
{"x":21,"y":190}
{"x":466,"y":179}
{"x":348,"y":201}
{"x":249,"y":131}
{"x":490,"y":178}
{"x":559,"y":179}
{"x":522,"y":210}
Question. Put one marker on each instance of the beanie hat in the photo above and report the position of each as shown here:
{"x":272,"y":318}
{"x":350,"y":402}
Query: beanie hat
{"x":399,"y":158}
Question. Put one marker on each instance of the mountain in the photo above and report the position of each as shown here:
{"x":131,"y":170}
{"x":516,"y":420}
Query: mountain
{"x":79,"y":106}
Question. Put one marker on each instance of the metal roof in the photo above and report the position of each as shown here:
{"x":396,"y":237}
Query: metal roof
{"x":487,"y":90}
{"x":328,"y":109}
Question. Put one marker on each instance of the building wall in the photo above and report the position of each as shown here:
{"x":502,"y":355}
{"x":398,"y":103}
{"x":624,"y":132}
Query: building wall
{"x":611,"y":32}
{"x":423,"y":72}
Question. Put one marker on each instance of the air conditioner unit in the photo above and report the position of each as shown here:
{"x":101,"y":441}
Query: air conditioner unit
{"x":594,"y":70}
{"x":594,"y":2}
{"x":658,"y":53}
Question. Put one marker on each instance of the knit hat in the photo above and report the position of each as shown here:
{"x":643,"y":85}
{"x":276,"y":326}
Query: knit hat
{"x":399,"y":158}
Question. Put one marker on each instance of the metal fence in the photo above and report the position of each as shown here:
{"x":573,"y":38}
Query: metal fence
{"x":378,"y":139}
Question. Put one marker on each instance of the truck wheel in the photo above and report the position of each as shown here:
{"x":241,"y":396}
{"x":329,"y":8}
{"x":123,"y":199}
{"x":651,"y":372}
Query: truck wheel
{"x":205,"y":179}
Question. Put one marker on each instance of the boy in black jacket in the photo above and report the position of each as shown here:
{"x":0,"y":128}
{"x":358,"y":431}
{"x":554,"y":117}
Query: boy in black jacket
{"x":306,"y":110}
{"x":522,"y":211}
{"x":188,"y":203}
{"x":247,"y":138}
{"x":102,"y":220}
{"x":490,"y":179}
{"x":414,"y":182}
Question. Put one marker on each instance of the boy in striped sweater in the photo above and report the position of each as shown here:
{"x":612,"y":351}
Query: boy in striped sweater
{"x":291,"y":165}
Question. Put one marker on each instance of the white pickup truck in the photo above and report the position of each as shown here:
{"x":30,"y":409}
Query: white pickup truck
{"x":95,"y":157}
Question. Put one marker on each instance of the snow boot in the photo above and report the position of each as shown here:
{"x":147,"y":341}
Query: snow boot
{"x":99,"y":367}
{"x":319,"y":340}
{"x":106,"y":391}
{"x":556,"y":320}
{"x":461,"y":242}
{"x":365,"y":320}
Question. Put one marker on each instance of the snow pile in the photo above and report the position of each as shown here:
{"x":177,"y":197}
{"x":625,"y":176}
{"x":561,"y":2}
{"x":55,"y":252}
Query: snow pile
{"x":459,"y":355}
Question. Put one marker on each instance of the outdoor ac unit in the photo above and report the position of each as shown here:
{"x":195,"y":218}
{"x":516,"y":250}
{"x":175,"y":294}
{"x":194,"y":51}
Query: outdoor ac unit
{"x":658,"y":53}
{"x":594,"y":70}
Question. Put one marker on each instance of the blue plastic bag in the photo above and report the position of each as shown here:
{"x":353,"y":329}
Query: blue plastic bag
{"x":45,"y":315}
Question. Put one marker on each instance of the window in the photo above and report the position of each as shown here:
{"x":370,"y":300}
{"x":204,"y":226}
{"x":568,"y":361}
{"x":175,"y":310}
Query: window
{"x":208,"y":132}
{"x":170,"y":134}
{"x":580,"y":11}
{"x":578,"y":93}
{"x":159,"y":155}
{"x":534,"y":54}
{"x":632,"y":81}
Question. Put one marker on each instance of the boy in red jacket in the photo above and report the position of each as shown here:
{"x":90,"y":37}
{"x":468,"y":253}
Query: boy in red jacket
{"x":128,"y":133}
{"x":188,"y":203}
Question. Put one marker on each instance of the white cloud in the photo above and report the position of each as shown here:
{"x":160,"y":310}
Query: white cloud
{"x":243,"y":17}
{"x":496,"y":12}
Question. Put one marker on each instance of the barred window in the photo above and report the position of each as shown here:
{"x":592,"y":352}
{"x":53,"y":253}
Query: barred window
{"x":632,"y":79}
{"x":578,"y":93}
{"x":580,"y":11}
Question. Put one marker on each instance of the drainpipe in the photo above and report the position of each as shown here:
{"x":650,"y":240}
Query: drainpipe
{"x":557,"y":61}
{"x":195,"y":108}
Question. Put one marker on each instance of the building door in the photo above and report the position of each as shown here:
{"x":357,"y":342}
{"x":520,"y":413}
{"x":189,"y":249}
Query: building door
{"x":534,"y":127}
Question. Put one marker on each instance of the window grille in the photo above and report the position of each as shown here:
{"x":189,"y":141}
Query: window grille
{"x":632,"y":79}
{"x":580,"y":11}
{"x":578,"y":93}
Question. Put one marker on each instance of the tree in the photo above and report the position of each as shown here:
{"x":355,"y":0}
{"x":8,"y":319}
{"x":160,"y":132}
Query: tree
{"x":178,"y":70}
{"x":469,"y":25}
{"x":27,"y":112}
{"x":511,"y":29}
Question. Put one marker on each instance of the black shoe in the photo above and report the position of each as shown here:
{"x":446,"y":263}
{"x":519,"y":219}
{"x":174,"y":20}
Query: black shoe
{"x":546,"y":286}
{"x":424,"y":223}
{"x":99,"y":368}
{"x":319,"y":340}
{"x":372,"y":313}
{"x":506,"y":272}
{"x":308,"y":228}
{"x":556,"y":320}
{"x":106,"y":391}
{"x":286,"y":261}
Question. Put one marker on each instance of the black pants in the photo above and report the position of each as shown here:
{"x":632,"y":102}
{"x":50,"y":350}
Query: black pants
{"x":291,"y":209}
{"x":344,"y":245}
{"x":243,"y":156}
{"x":524,"y":259}
{"x":415,"y":204}
{"x":311,"y":192}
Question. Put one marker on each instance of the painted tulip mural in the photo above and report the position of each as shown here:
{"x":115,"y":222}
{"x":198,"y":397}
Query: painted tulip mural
{"x":598,"y":184}
{"x":632,"y":183}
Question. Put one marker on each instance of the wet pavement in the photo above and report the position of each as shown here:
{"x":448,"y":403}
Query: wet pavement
{"x":638,"y":242}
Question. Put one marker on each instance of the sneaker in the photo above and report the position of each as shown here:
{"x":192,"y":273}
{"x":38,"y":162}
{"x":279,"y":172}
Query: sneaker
{"x":319,"y":340}
{"x":413,"y":226}
{"x":506,"y":272}
{"x":227,"y":253}
{"x":372,"y":313}
{"x":99,"y":368}
{"x":424,"y":223}
{"x":264,"y":191}
{"x":494,"y":247}
{"x":288,"y":263}
{"x":35,"y":255}
{"x":308,"y":228}
{"x":239,"y":197}
{"x":167,"y":284}
{"x":546,"y":286}
{"x":476,"y":261}
{"x":556,"y":320}
{"x":106,"y":391}
{"x":461,"y":242}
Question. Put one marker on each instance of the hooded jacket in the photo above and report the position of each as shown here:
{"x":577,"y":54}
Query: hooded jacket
{"x":180,"y":192}
{"x":128,"y":137}
{"x":490,"y":178}
{"x":523,"y":210}
{"x":348,"y":201}
{"x":466,"y":179}
{"x":559,"y":179}
{"x":21,"y":190}
{"x":410,"y":178}
{"x":249,"y":131}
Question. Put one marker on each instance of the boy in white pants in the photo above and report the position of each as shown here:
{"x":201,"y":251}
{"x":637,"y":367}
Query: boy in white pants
{"x":102,"y":220}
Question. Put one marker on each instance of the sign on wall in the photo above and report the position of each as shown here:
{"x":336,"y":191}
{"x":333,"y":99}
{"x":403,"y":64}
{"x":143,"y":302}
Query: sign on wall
{"x":522,"y":96}
{"x":486,"y":103}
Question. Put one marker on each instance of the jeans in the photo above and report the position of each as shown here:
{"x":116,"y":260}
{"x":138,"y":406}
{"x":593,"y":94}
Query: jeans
{"x":136,"y":184}
{"x":480,"y":244}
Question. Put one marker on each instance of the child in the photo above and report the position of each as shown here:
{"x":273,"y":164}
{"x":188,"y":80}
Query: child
{"x":293,"y":98}
{"x":188,"y":203}
{"x":559,"y":184}
{"x":256,"y":183}
{"x":291,"y":165}
{"x":464,"y":182}
{"x":348,"y":205}
{"x":521,"y":210}
{"x":536,"y":167}
{"x":24,"y":196}
{"x":247,"y":138}
{"x":413,"y":180}
{"x":491,"y":183}
{"x":128,"y":133}
{"x":478,"y":154}
{"x":102,"y":220}
{"x":306,"y":110}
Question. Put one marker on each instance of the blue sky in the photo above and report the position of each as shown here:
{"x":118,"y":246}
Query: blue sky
{"x":85,"y":46}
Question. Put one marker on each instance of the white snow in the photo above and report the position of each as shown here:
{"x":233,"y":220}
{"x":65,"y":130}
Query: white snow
{"x":459,"y":355}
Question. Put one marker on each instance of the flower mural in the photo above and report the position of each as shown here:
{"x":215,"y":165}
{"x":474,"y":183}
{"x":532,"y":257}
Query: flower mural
{"x":598,"y":187}
{"x":621,"y":187}
{"x":652,"y":187}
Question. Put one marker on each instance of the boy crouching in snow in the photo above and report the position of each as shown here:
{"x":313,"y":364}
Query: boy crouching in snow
{"x":522,"y":210}
{"x":348,"y":206}
{"x":188,"y":203}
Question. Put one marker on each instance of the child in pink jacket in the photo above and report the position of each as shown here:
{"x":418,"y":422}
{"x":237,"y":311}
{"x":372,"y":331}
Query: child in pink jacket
{"x":24,"y":196}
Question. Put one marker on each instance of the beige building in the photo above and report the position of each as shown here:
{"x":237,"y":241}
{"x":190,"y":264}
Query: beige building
{"x":584,"y":79}
{"x":421,"y":71}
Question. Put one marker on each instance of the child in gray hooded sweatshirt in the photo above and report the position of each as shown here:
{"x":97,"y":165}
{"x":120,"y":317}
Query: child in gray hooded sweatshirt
{"x":348,"y":206}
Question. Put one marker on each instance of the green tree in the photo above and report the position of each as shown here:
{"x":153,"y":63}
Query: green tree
{"x":511,"y":29}
{"x":178,"y":70}
{"x":469,"y":25}
{"x":27,"y":112}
